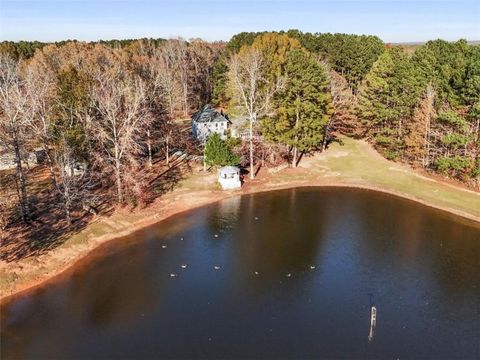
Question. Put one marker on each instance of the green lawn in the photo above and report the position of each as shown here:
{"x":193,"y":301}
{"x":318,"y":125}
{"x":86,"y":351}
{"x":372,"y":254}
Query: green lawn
{"x":355,"y":162}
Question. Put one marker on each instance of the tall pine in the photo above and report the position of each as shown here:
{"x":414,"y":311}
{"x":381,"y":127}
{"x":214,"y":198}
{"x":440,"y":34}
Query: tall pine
{"x":303,"y":107}
{"x":387,"y":98}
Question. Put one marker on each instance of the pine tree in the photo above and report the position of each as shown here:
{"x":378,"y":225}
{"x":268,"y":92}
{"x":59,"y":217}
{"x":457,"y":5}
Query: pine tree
{"x":304,"y":106}
{"x":387,"y":98}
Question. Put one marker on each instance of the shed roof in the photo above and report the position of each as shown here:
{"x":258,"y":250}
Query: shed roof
{"x":229,"y":170}
{"x":208,"y":114}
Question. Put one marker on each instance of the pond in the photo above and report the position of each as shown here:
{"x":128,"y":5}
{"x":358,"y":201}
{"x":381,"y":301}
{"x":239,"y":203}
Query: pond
{"x":284,"y":274}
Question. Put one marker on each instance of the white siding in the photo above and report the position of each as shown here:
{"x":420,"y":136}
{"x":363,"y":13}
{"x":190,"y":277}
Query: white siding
{"x":203,"y":130}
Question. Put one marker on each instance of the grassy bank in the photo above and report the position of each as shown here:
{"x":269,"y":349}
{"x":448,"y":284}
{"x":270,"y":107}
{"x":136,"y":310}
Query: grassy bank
{"x":353,"y":163}
{"x":357,"y":163}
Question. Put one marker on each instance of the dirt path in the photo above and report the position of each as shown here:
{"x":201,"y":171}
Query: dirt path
{"x":353,"y":164}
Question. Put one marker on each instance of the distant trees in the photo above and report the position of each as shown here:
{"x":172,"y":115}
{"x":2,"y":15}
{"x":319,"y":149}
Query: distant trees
{"x":20,"y":50}
{"x":182,"y":72}
{"x":400,"y":101}
{"x":352,"y":56}
{"x":220,"y":68}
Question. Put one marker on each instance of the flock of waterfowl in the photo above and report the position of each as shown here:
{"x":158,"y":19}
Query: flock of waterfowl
{"x":216,"y":267}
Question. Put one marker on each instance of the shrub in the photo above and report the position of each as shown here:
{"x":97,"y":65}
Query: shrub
{"x":218,"y":153}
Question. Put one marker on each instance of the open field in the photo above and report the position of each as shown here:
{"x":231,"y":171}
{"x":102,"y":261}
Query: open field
{"x":352,"y":163}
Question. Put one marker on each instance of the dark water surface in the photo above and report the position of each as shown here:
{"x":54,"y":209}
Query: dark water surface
{"x":420,"y":267}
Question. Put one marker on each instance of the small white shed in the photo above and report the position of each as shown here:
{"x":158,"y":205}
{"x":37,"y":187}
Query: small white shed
{"x":229,"y":178}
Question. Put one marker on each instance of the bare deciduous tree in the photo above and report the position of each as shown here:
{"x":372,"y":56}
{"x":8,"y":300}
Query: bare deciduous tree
{"x":250,"y":89}
{"x":75,"y":182}
{"x":15,"y":111}
{"x":343,"y":119}
{"x":41,"y":84}
{"x":119,"y":120}
{"x":418,"y":139}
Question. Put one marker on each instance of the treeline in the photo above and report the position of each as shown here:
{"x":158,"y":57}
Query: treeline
{"x":349,"y":55}
{"x":98,"y":113}
{"x":420,"y":106}
{"x":424,"y":108}
{"x":18,"y":50}
{"x":111,"y":105}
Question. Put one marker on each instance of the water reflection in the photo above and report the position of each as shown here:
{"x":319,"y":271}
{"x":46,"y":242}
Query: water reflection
{"x":418,"y":266}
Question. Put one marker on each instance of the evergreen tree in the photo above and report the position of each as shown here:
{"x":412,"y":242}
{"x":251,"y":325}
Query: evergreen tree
{"x":304,"y":106}
{"x":217,"y":152}
{"x":387,"y":98}
{"x":351,"y":56}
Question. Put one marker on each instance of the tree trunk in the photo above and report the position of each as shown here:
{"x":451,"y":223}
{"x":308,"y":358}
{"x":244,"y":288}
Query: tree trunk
{"x":252,"y":174}
{"x":149,"y":145}
{"x":295,"y":148}
{"x":294,"y":161}
{"x":167,"y":156}
{"x":426,"y":157}
{"x":170,"y":104}
{"x":477,"y":129}
{"x":21,"y":181}
{"x":430,"y":96}
{"x":53,"y":176}
{"x":118,"y":176}
{"x":326,"y":134}
{"x":185,"y":99}
{"x":204,"y":160}
{"x":66,"y":204}
{"x":400,"y":129}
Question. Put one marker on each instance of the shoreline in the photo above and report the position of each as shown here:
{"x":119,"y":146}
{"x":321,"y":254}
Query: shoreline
{"x":96,"y":245}
{"x":354,"y":164}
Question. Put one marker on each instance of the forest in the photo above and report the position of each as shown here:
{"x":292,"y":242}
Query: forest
{"x":102,"y":114}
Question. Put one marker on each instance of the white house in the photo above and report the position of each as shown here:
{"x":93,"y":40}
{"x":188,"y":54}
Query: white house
{"x":208,"y":121}
{"x":229,"y":178}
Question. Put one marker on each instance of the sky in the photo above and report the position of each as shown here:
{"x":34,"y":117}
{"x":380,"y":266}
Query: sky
{"x":391,"y":20}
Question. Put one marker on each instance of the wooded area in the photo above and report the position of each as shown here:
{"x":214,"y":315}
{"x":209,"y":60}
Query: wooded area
{"x":103,"y":113}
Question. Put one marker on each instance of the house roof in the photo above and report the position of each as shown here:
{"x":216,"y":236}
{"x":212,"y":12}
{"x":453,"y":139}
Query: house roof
{"x":208,"y":114}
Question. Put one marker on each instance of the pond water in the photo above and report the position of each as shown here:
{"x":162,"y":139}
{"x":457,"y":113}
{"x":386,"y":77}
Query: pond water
{"x":285,"y":274}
